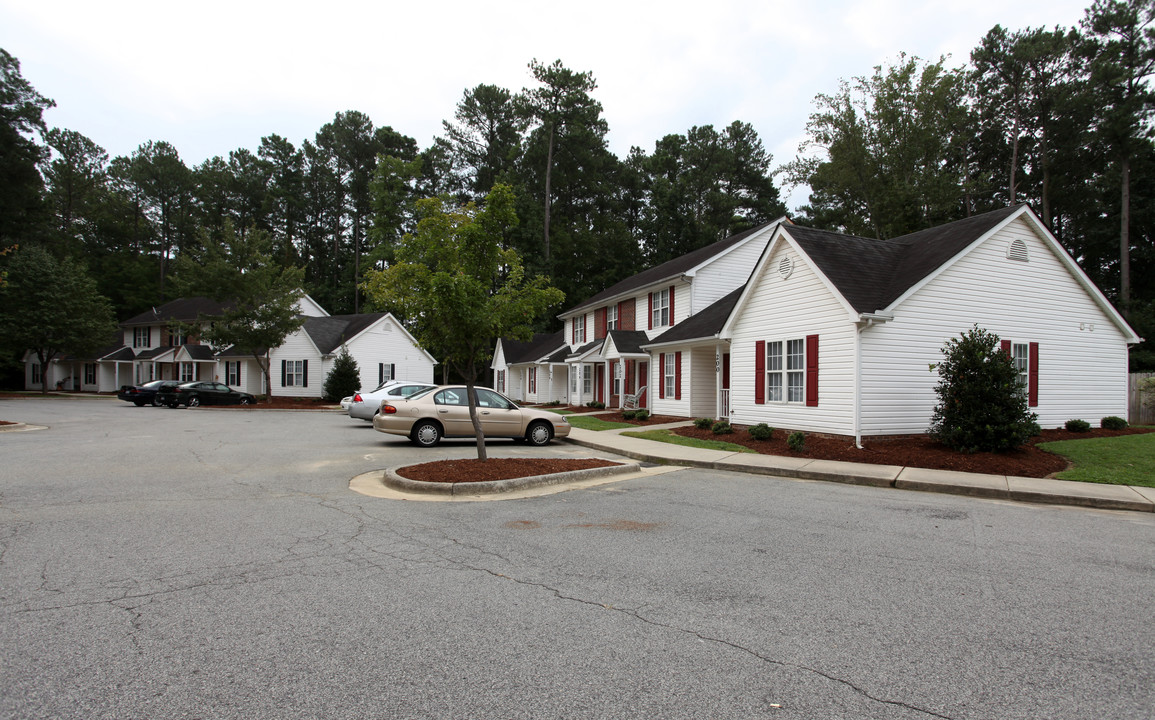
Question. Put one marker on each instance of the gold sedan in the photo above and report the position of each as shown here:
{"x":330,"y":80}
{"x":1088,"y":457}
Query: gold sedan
{"x":440,"y":412}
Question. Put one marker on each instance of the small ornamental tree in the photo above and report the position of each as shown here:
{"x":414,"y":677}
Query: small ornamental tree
{"x":982,"y":404}
{"x":345,"y":377}
{"x":459,"y":288}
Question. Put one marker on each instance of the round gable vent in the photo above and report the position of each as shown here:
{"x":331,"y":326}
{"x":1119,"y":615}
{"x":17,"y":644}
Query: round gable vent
{"x":785,"y":267}
{"x":1017,"y":250}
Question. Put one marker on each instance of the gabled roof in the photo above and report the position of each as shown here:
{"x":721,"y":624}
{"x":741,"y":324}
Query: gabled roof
{"x":872,"y":274}
{"x":329,"y":333}
{"x":197,"y":352}
{"x":179,"y":310}
{"x":672,"y":269}
{"x":542,"y":346}
{"x":701,"y":326}
{"x":586,"y":349}
{"x":628,"y":342}
{"x":154,"y":353}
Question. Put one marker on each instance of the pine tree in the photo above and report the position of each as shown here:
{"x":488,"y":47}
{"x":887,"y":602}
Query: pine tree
{"x":345,"y":377}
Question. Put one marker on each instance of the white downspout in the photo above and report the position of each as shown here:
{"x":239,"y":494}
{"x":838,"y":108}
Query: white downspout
{"x":859,"y":327}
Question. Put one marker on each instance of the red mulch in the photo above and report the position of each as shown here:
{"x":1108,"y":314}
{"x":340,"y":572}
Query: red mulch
{"x":462,"y":471}
{"x":915,"y":450}
{"x":288,"y":403}
{"x":616,"y":416}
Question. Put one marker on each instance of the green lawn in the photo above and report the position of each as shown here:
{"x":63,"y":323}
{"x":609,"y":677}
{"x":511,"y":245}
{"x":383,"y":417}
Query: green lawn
{"x":668,"y":437}
{"x":586,"y":422}
{"x":1123,"y":460}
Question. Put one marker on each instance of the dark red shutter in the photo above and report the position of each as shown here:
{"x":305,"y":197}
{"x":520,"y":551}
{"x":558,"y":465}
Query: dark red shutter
{"x":811,"y":371}
{"x":1006,"y":346}
{"x":305,"y":373}
{"x":605,"y":322}
{"x":671,"y":305}
{"x":282,"y":373}
{"x":662,"y":375}
{"x":650,"y":314}
{"x":760,"y":372}
{"x":677,"y":371}
{"x":573,"y":331}
{"x":1033,"y":376}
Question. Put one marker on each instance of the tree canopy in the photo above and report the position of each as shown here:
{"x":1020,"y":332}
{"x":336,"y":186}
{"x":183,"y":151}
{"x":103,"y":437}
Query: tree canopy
{"x":459,"y":289}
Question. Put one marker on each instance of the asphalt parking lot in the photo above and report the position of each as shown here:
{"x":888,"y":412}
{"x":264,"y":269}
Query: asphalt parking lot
{"x":214,"y":563}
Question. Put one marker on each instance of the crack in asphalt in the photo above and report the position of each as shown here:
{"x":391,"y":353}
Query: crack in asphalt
{"x":693,"y":633}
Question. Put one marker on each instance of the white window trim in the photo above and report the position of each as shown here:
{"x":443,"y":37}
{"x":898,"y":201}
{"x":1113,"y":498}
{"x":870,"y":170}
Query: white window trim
{"x":579,"y":324}
{"x":786,"y":363}
{"x":294,"y":373}
{"x":611,"y":318}
{"x":661,"y":302}
{"x":670,"y":376}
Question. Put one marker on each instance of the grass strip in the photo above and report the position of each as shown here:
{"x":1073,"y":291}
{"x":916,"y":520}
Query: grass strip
{"x":668,"y":437}
{"x":1123,"y":460}
{"x":586,"y":422}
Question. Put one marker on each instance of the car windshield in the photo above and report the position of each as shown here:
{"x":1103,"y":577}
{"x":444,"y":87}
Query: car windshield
{"x":384,"y":385}
{"x":421,"y":393}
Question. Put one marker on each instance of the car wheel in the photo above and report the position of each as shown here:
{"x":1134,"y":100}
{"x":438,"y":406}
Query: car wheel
{"x":138,"y":403}
{"x":194,"y":401}
{"x":426,"y":433}
{"x":155,"y":401}
{"x":173,"y":404}
{"x":246,"y":401}
{"x":539,"y":434}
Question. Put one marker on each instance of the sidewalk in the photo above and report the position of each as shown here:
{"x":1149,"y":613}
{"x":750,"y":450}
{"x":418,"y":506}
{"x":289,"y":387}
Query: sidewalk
{"x":1038,"y":490}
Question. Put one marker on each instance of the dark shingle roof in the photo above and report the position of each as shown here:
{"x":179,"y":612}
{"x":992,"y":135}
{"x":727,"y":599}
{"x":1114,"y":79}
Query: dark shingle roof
{"x":628,"y":341}
{"x":872,"y":274}
{"x":586,"y":348}
{"x":705,"y":324}
{"x":669,"y":269}
{"x":329,"y":333}
{"x":179,"y":310}
{"x":537,"y":347}
{"x":199,"y":352}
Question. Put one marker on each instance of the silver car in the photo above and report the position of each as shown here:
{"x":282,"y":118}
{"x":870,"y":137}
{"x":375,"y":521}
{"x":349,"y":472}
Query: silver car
{"x":364,"y":405}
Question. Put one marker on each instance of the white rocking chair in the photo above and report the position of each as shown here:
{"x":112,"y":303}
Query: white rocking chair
{"x":630,"y":402}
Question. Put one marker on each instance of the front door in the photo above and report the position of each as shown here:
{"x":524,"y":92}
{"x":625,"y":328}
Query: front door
{"x":643,"y":383}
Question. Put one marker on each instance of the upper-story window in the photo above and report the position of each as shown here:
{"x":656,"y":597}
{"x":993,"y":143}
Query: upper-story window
{"x":176,"y":338}
{"x":579,"y":330}
{"x":661,"y":309}
{"x":142,"y":337}
{"x":612,"y":317}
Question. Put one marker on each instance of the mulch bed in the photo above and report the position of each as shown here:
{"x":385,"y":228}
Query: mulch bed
{"x":474,"y":470}
{"x":288,"y":403}
{"x":652,"y":420}
{"x":915,"y":450}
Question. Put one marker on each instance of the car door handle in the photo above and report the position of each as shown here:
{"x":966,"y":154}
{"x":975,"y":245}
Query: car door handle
{"x":484,"y":412}
{"x":442,"y":411}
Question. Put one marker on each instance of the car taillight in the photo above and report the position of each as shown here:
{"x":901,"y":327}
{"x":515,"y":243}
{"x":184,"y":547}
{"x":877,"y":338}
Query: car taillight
{"x":357,"y":398}
{"x":388,"y":409}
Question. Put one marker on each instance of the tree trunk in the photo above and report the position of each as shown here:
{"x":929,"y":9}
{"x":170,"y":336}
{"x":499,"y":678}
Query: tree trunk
{"x":548,"y":174}
{"x":476,"y":422}
{"x":1125,"y":240}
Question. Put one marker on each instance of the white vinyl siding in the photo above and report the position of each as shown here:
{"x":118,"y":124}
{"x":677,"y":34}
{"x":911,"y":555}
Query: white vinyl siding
{"x":787,"y":310}
{"x":1082,"y":372}
{"x":718,"y":278}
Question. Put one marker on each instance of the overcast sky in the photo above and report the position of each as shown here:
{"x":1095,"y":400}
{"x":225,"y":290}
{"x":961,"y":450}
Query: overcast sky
{"x":214,"y":76}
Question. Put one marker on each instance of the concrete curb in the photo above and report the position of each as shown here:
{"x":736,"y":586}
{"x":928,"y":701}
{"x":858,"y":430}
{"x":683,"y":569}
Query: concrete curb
{"x":1035,"y":490}
{"x":396,"y":482}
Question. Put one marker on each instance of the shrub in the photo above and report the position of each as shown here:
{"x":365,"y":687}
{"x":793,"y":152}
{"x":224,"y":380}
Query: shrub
{"x":1078,"y":426}
{"x":642,"y":415}
{"x":344,"y":379}
{"x":722,"y":428}
{"x":629,"y":414}
{"x":796,"y":441}
{"x":761,"y":431}
{"x":596,"y":405}
{"x":982,"y":405}
{"x":704,"y":423}
{"x":1112,"y":422}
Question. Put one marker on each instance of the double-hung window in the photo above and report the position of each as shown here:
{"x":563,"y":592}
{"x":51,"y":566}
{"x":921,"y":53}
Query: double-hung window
{"x":533,"y":381}
{"x":669,"y":375}
{"x":500,"y":381}
{"x":587,"y":379}
{"x":612,"y":318}
{"x":660,"y":315}
{"x":89,"y":373}
{"x":141,"y":337}
{"x":187,"y":372}
{"x":233,"y":372}
{"x":774,"y":379}
{"x":618,"y":377}
{"x":294,"y":373}
{"x":1020,"y":356}
{"x":37,"y":376}
{"x":795,"y":370}
{"x":579,"y":330}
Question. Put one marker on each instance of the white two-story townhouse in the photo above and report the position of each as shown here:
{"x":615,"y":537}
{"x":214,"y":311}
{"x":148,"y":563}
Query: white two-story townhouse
{"x":604,"y":337}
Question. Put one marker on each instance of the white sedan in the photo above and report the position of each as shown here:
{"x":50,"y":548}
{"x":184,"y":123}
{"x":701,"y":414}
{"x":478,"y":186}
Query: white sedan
{"x":364,"y":405}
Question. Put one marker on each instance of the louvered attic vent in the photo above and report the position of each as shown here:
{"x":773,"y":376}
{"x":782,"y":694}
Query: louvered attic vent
{"x":1017,"y":250}
{"x":785,"y":267}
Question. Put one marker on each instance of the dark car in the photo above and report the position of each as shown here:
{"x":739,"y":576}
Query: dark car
{"x":192,"y":394}
{"x":144,"y":394}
